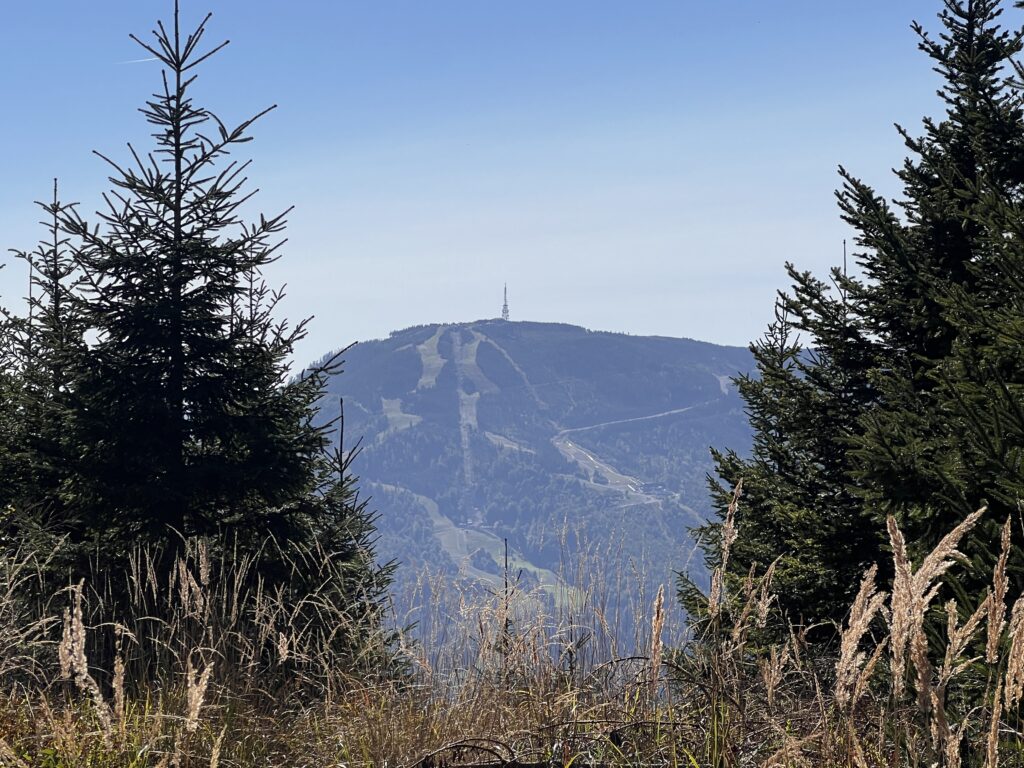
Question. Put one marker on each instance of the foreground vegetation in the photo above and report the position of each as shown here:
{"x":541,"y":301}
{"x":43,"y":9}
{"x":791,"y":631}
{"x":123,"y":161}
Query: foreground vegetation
{"x":240,"y":679}
{"x":187,"y":573}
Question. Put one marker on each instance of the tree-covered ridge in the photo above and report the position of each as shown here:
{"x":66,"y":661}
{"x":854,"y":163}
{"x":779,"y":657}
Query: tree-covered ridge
{"x":473,"y":433}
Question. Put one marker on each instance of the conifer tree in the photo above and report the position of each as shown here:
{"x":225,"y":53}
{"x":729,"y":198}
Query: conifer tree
{"x":980,"y":385}
{"x":897,"y":406}
{"x":798,"y":509}
{"x":176,"y":381}
{"x":50,"y":345}
{"x":38,"y":357}
{"x":185,"y":420}
{"x":10,"y":396}
{"x":932,"y":271}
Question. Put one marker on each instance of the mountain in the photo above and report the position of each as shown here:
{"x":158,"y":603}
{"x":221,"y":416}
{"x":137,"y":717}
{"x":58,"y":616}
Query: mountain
{"x":549,"y":436}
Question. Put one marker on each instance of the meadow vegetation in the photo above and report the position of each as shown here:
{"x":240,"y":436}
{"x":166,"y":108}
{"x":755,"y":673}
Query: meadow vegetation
{"x":218,"y":671}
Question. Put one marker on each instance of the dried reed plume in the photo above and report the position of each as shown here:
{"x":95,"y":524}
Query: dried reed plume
{"x":957,"y":639}
{"x":73,"y":661}
{"x":854,"y":668}
{"x":997,"y":601}
{"x":1014,"y":678}
{"x":196,"y":692}
{"x":773,"y":669}
{"x":717,"y":593}
{"x":757,"y":598}
{"x":992,"y":743}
{"x":912,"y":593}
{"x":657,"y":627}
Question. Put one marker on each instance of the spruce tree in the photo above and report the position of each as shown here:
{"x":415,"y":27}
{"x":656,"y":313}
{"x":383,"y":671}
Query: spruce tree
{"x":980,"y":385}
{"x":50,"y":344}
{"x":38,"y":355}
{"x":932,"y":271}
{"x":904,"y":401}
{"x":798,"y":509}
{"x":10,"y":397}
{"x":182,"y":417}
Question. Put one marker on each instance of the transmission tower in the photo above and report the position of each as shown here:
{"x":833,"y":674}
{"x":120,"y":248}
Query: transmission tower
{"x":504,"y":307}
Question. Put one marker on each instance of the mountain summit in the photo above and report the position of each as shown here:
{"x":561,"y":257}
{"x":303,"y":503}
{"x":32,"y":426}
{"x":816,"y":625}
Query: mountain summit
{"x":477,"y":433}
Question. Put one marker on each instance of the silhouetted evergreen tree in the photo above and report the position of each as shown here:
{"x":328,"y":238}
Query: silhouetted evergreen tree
{"x":50,"y":341}
{"x":10,"y":397}
{"x":186,"y":420}
{"x":980,"y":384}
{"x":39,"y":353}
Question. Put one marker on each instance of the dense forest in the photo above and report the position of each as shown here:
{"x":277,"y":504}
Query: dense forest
{"x":188,"y":573}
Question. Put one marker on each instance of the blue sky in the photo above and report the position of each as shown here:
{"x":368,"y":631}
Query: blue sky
{"x":642,"y":166}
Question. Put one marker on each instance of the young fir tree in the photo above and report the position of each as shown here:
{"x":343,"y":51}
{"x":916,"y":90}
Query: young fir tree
{"x":51,"y":343}
{"x":10,"y":397}
{"x":185,"y":417}
{"x":14,"y":472}
{"x":980,"y":385}
{"x":39,"y":353}
{"x":980,"y":389}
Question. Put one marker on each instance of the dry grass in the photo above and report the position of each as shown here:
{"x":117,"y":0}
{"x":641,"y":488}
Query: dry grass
{"x":211,"y":668}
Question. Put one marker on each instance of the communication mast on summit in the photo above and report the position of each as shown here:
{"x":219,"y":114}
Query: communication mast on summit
{"x":504,"y":307}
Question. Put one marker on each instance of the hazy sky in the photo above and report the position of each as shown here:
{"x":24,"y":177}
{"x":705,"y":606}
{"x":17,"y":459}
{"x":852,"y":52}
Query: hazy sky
{"x":629,"y":165}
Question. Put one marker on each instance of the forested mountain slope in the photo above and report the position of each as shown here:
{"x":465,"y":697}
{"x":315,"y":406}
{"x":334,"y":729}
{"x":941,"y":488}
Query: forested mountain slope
{"x":544,"y":434}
